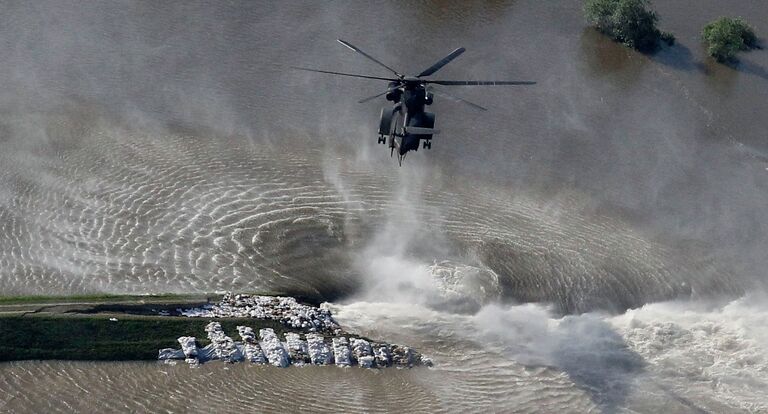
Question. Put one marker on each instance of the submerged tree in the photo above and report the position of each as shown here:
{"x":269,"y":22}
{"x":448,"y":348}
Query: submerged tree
{"x":630,"y":22}
{"x":726,"y":36}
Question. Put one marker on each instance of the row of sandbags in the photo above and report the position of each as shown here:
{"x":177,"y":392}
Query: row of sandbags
{"x":312,"y":350}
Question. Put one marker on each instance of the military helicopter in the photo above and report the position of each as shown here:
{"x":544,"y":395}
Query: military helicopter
{"x":407,"y":122}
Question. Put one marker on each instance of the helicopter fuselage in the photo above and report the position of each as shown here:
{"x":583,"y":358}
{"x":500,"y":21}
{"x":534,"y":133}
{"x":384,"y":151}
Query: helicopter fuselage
{"x":410,"y":100}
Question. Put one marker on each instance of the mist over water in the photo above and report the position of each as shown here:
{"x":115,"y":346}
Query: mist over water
{"x":585,"y":245}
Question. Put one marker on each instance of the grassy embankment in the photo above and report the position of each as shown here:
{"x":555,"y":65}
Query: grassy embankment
{"x":51,"y":332}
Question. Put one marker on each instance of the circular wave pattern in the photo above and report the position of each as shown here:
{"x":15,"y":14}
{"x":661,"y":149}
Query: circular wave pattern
{"x":100,"y":208}
{"x":129,"y":213}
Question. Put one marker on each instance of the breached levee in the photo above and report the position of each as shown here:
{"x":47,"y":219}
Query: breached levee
{"x":286,"y":310}
{"x":312,"y":337}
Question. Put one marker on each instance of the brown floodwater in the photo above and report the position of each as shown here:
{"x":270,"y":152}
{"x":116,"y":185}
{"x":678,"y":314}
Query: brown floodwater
{"x":152,"y":148}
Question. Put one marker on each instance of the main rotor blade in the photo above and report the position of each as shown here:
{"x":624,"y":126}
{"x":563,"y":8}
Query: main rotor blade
{"x":442,"y":62}
{"x":370,"y":98}
{"x":457,"y":99}
{"x":349,"y":45}
{"x":479,"y":83}
{"x":344,"y":74}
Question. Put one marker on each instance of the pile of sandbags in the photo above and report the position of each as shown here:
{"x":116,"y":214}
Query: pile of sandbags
{"x":383,"y":355}
{"x":297,"y":349}
{"x":286,"y":310}
{"x":362,"y":352}
{"x":189,"y":347}
{"x":188,"y":351}
{"x":402,"y":356}
{"x":312,"y":350}
{"x":341,"y":353}
{"x":222,"y":347}
{"x":305,"y":318}
{"x":166,"y":354}
{"x":251,"y":348}
{"x":273,"y":348}
{"x":319,"y":352}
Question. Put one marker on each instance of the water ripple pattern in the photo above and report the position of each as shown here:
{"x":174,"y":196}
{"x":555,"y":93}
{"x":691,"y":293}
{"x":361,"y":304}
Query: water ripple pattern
{"x":121,"y":211}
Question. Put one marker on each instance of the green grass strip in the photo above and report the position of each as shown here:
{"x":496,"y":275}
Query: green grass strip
{"x":95,"y":337}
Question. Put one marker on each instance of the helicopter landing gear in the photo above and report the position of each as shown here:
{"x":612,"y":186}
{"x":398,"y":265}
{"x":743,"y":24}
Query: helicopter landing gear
{"x":427,"y":145}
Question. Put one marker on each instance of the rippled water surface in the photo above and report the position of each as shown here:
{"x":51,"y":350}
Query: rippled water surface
{"x":167,"y":147}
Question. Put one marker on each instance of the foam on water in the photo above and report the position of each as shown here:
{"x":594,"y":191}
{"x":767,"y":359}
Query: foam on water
{"x":676,"y":356}
{"x":703,"y":349}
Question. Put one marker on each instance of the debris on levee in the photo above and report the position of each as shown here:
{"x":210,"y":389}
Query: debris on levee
{"x":315,"y":338}
{"x":283,"y":309}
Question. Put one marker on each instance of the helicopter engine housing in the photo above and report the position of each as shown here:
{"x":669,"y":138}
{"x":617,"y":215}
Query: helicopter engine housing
{"x":393,"y":92}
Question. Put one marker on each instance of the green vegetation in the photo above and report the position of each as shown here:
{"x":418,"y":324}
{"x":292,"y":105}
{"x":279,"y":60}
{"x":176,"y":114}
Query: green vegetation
{"x":95,"y":337}
{"x":78,"y":327}
{"x":726,"y":36}
{"x":668,"y":38}
{"x":630,"y":22}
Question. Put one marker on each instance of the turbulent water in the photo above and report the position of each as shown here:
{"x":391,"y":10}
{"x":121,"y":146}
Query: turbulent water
{"x":167,"y":148}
